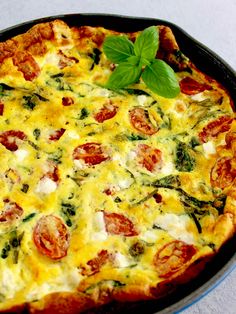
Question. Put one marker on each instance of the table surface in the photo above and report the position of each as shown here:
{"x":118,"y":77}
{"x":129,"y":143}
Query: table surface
{"x":212,"y":22}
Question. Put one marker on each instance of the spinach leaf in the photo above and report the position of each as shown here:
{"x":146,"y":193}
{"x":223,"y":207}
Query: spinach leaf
{"x":40,"y":97}
{"x":197,"y":223}
{"x":83,"y":114}
{"x":25,"y":188}
{"x":36,"y":133}
{"x":59,"y":83}
{"x":28,"y":217}
{"x":3,"y":88}
{"x":56,"y":156}
{"x":57,"y":75}
{"x":184,"y":162}
{"x":135,"y":137}
{"x":68,"y":210}
{"x":194,"y":142}
{"x":117,"y":200}
{"x":167,"y":181}
{"x":95,"y":56}
{"x":29,"y":102}
{"x":5,"y":250}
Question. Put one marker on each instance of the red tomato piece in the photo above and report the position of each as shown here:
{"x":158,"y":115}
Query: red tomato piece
{"x":90,"y":153}
{"x":56,"y":135}
{"x":230,"y":138}
{"x":11,"y":139}
{"x":157,"y":197}
{"x":12,"y":212}
{"x":119,"y":224}
{"x":67,"y":101}
{"x":149,"y":157}
{"x":52,"y":173}
{"x":51,"y":237}
{"x":215,"y":127}
{"x":223,"y":173}
{"x":110,"y":191}
{"x":96,"y":263}
{"x":172,"y":257}
{"x":1,"y":108}
{"x":140,"y":121}
{"x":189,"y":86}
{"x":27,"y":65}
{"x":106,"y":112}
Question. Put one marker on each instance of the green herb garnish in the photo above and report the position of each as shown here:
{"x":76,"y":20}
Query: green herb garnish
{"x":28,"y":217}
{"x":83,"y":114}
{"x":135,"y":137}
{"x":184,"y":161}
{"x":36,"y":133}
{"x":25,"y":188}
{"x":137,"y":60}
{"x":68,"y":210}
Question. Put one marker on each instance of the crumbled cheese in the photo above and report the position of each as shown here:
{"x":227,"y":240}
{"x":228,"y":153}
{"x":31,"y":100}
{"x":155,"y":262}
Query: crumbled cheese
{"x":125,"y":184}
{"x":209,"y":148}
{"x":98,"y":221}
{"x":141,"y":99}
{"x":21,"y":154}
{"x":46,"y":186}
{"x":72,"y":134}
{"x":149,"y":236}
{"x":52,"y":59}
{"x":99,"y":236}
{"x":101,"y":92}
{"x":131,"y":155}
{"x":117,"y":157}
{"x":121,"y":260}
{"x":10,"y":282}
{"x":176,"y":226}
{"x":167,"y":168}
{"x":99,"y":228}
{"x":80,"y":164}
{"x":198,"y":97}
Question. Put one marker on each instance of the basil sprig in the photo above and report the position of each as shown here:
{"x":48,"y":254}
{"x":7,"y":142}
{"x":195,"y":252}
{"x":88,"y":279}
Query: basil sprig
{"x":137,"y":60}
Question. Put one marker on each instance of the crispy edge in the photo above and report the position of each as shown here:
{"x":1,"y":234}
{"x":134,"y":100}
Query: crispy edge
{"x":78,"y":302}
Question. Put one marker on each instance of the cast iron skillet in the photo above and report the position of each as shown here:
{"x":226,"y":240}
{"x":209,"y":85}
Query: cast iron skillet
{"x":211,"y":64}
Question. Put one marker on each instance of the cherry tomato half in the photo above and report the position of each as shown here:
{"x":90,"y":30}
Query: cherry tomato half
{"x":90,"y":153}
{"x":119,"y":224}
{"x":172,"y":257}
{"x":51,"y":237}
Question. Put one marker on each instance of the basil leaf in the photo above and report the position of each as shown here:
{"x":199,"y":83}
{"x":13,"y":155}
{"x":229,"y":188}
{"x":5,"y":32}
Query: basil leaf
{"x":161,"y":79}
{"x":118,"y":48}
{"x":146,"y":44}
{"x":125,"y":74}
{"x":134,"y":60}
